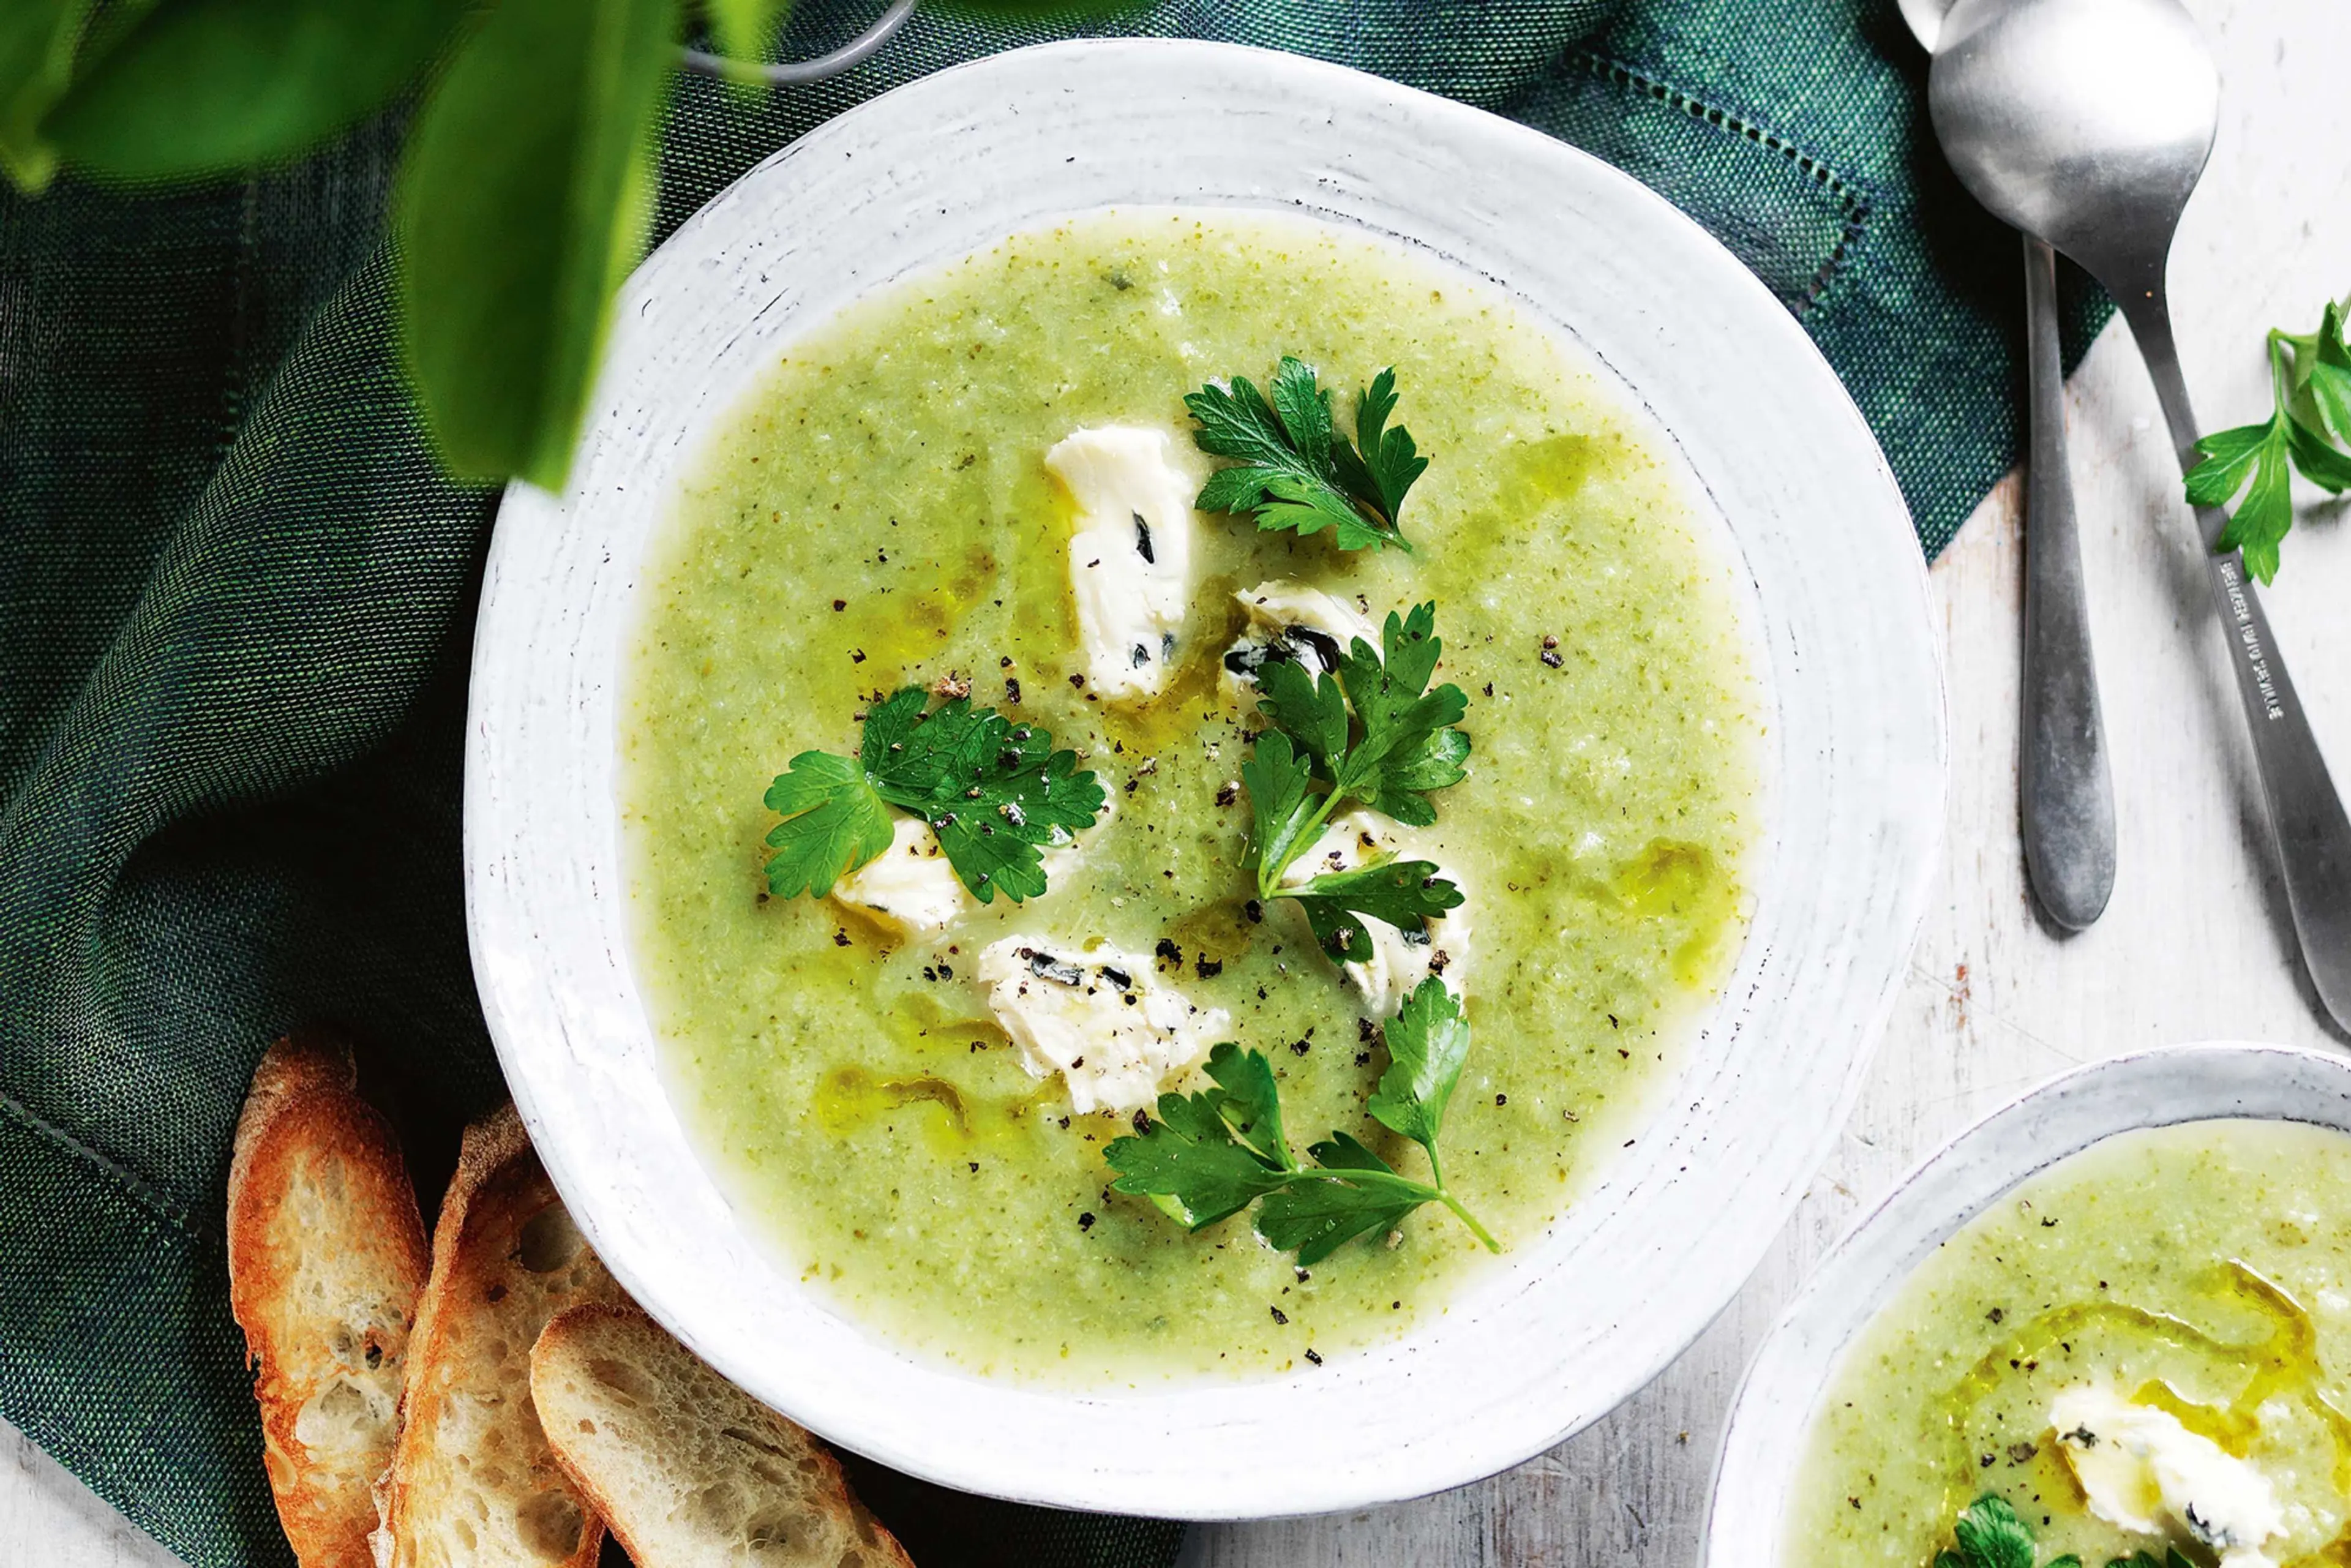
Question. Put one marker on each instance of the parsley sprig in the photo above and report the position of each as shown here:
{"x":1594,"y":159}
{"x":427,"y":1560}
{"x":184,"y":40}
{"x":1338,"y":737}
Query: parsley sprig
{"x":1990,"y":1535}
{"x":1212,"y":1154}
{"x":2309,"y":383}
{"x":1398,"y":746}
{"x":994,"y":792}
{"x":1294,"y":470}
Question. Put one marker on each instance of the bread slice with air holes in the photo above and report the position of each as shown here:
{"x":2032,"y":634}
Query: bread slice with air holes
{"x":326,"y":1255}
{"x":471,"y":1482}
{"x":688,"y":1469}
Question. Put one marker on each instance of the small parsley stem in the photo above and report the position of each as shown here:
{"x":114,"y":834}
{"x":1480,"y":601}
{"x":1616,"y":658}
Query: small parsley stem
{"x":1268,"y":876}
{"x":1468,"y":1219}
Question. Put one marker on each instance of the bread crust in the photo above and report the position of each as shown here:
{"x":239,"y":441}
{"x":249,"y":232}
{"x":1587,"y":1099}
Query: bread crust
{"x":717,"y":1406}
{"x":505,"y":1260}
{"x":326,"y":1256}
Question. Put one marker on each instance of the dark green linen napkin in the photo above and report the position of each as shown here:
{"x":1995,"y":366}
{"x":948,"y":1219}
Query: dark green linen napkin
{"x":236,"y":599}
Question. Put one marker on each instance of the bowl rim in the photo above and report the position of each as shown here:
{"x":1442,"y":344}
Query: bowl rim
{"x":523,"y":1022}
{"x":1766,"y":1436}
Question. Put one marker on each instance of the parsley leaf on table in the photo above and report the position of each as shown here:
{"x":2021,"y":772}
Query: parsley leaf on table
{"x":1294,"y":470}
{"x":1398,"y":746}
{"x":1212,"y":1154}
{"x":994,"y":792}
{"x":2310,"y":381}
{"x":1990,"y":1535}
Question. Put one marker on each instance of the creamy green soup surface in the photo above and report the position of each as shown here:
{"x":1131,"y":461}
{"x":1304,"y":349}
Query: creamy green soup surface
{"x":880,"y":513}
{"x":2202,"y":1270}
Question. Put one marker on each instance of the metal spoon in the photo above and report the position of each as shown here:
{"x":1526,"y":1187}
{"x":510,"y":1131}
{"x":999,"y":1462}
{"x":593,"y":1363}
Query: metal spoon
{"x":2065,"y":795}
{"x":2087,"y":123}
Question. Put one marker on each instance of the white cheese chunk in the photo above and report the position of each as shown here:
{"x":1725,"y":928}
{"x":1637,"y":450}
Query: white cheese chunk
{"x":1290,"y":621}
{"x":908,"y":887}
{"x":1100,"y":1019}
{"x":1131,"y":556}
{"x":2143,"y":1472}
{"x":1400,"y":961}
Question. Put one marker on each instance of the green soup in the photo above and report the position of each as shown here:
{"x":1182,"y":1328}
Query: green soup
{"x":880,"y":513}
{"x":2200,"y":1269}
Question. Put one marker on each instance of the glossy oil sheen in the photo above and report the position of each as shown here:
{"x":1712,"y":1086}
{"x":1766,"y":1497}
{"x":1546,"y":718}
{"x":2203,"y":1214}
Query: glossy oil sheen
{"x":2202,"y":1268}
{"x":852,"y":1094}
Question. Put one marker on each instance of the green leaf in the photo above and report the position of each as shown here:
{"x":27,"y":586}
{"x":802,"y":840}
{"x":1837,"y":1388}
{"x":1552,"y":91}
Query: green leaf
{"x":1406,"y":749}
{"x":1186,"y":1158}
{"x":996,"y":792}
{"x":37,"y":42}
{"x":1281,"y":807}
{"x":206,"y":86}
{"x":2263,"y":517}
{"x":2229,"y":459}
{"x":2320,"y":462}
{"x":1428,"y":1041}
{"x":2326,"y":372}
{"x":1315,"y":1218}
{"x":742,"y":29}
{"x":1294,"y":472}
{"x":523,"y":201}
{"x":1248,"y":1102}
{"x":1990,"y":1535}
{"x":1401,"y":718}
{"x":1193,"y":1158}
{"x":1309,"y":709}
{"x":2310,"y":379}
{"x":1212,"y":1154}
{"x":2070,"y":1559}
{"x":1382,"y":464}
{"x":1404,"y":784}
{"x":1402,"y":893}
{"x":834,"y":823}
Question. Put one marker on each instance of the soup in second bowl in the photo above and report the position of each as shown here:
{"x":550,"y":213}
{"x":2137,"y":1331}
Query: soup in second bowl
{"x":2141,"y":1349}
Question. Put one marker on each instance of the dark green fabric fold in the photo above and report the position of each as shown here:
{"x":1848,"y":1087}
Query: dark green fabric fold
{"x":235,"y":598}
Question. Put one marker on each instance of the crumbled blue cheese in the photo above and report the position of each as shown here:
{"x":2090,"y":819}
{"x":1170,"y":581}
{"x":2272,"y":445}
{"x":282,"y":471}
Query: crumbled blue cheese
{"x":1101,"y":1018}
{"x":1289,"y":621}
{"x":909,"y":887}
{"x":2143,"y":1472}
{"x":1131,"y":555}
{"x":1400,"y":959}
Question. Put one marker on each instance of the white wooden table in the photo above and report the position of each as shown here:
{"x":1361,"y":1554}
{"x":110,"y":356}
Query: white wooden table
{"x":2195,"y":946}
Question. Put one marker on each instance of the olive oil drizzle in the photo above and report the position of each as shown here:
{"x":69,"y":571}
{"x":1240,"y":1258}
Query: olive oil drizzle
{"x":2285,"y":1361}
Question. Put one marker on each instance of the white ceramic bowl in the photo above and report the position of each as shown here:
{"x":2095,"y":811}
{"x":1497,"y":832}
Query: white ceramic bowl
{"x":1772,"y":1417}
{"x":1570,"y":1325}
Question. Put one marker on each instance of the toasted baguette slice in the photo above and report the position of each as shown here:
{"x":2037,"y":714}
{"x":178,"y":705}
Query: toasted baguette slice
{"x":688,"y":1469}
{"x":326,"y":1255}
{"x":471,"y":1482}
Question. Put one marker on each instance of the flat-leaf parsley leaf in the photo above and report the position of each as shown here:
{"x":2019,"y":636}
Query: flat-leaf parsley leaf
{"x":1294,"y":470}
{"x":994,"y":792}
{"x":1990,"y":1535}
{"x":1212,"y":1154}
{"x":1396,"y":747}
{"x":2310,"y":384}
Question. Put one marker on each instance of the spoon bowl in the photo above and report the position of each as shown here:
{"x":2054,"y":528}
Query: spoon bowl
{"x":2086,"y":123}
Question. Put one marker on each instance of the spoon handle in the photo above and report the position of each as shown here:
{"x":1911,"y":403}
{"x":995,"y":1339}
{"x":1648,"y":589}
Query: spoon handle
{"x":2313,"y":837}
{"x":2066,"y":799}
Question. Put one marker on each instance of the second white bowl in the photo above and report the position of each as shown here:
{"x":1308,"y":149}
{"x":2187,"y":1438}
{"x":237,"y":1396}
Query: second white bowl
{"x":1771,"y":1420}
